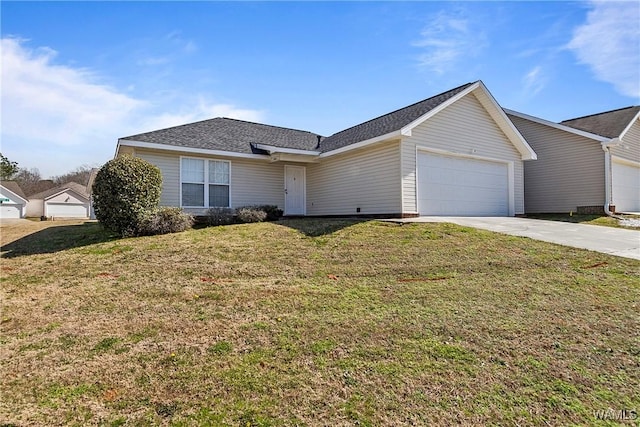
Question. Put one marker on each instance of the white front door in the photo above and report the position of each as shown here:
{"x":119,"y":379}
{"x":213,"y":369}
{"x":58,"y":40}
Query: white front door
{"x":294,"y":190}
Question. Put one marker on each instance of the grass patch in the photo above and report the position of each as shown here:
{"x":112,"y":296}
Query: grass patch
{"x":313,"y":322}
{"x":602,"y":220}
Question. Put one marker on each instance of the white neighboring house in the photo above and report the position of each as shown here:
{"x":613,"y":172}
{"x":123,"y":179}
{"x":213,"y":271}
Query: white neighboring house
{"x":13,"y":201}
{"x":70,"y":200}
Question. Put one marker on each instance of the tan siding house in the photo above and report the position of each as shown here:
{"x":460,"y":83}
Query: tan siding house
{"x":454,"y":153}
{"x":584,"y":164}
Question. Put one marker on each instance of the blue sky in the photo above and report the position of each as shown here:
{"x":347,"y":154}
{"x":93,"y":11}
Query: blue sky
{"x":78,"y":75}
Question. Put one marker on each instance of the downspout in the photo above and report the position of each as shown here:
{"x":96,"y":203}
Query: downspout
{"x":608,"y":176}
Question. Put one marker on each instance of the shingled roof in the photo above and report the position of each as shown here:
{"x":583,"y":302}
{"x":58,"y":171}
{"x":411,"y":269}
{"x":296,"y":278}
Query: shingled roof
{"x":387,"y":123}
{"x":73,"y":186}
{"x":609,"y":124}
{"x":14,"y":187}
{"x":240,"y":136}
{"x":233,"y":135}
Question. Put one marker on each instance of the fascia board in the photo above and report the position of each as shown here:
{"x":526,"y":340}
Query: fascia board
{"x":406,"y":130}
{"x":17,"y":196}
{"x":558,"y":126}
{"x":65,"y":190}
{"x":177,"y":148}
{"x":626,"y":129}
{"x":274,"y":149}
{"x":507,"y":126}
{"x":390,"y":135}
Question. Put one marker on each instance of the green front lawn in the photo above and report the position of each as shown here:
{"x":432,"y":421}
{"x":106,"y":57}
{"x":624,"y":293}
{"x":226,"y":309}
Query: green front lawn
{"x":313,"y":322}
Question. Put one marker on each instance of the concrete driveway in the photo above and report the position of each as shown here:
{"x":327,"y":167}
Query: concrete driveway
{"x":608,"y":240}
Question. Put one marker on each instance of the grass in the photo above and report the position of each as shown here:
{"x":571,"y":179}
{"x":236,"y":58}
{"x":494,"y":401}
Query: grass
{"x":602,"y":220}
{"x":312,"y":322}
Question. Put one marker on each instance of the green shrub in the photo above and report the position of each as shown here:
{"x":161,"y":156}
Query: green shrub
{"x":273,"y":212}
{"x":251,"y":214}
{"x":125,"y":190}
{"x":220,"y":216}
{"x":164,"y":221}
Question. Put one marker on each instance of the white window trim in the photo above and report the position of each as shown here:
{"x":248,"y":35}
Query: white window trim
{"x":206,"y":182}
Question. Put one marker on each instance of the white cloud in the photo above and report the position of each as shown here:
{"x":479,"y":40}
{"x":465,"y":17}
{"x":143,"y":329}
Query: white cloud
{"x":201,"y":111}
{"x":70,"y":117}
{"x":171,"y":48}
{"x":448,"y":38}
{"x":608,"y":43}
{"x":56,"y":103}
{"x":534,"y":81}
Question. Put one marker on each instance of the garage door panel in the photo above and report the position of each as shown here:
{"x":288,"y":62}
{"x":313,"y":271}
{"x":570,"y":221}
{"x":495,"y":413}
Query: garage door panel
{"x":9,"y":211}
{"x":67,"y":210}
{"x":460,"y":186}
{"x":626,"y":187}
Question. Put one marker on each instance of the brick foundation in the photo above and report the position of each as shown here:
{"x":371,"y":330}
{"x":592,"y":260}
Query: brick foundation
{"x":590,"y":210}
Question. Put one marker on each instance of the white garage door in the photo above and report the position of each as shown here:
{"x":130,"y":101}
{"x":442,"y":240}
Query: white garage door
{"x":9,"y":211}
{"x":626,"y":187}
{"x":67,"y":210}
{"x":459,"y":186}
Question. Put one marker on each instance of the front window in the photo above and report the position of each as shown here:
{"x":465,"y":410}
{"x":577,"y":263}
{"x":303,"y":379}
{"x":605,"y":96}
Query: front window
{"x":204,"y":180}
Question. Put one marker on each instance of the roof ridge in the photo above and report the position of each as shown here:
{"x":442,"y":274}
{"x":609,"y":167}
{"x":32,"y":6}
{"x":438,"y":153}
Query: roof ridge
{"x":59,"y":188}
{"x":221,"y":118}
{"x":171,"y":127}
{"x":601,"y":113}
{"x":264,"y":124}
{"x":405,"y":107}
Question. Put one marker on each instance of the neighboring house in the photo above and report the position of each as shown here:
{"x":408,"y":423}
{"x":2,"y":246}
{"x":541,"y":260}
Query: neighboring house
{"x":70,"y":200}
{"x":588,"y":165}
{"x":456,"y":153}
{"x":13,"y":201}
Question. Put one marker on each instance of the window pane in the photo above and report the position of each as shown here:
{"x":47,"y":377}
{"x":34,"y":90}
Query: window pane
{"x":192,"y":170}
{"x":218,"y":172}
{"x":219,"y":196}
{"x":192,"y":195}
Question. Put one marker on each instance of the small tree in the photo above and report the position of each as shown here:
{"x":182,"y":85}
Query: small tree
{"x":124,"y":191}
{"x":7,"y":168}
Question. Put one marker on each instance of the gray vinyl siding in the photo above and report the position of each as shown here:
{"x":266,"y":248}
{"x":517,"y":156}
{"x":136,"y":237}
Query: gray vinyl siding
{"x":629,"y":149}
{"x":256,"y":183}
{"x":569,"y":171}
{"x":169,"y":165}
{"x":124,"y":149}
{"x":367,"y":178}
{"x":252,"y":181}
{"x":463,"y":128}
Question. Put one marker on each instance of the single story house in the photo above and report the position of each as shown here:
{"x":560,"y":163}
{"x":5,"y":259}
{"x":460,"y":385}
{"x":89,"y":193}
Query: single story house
{"x":70,"y":200}
{"x":588,"y":165}
{"x":456,"y":153}
{"x":13,"y":201}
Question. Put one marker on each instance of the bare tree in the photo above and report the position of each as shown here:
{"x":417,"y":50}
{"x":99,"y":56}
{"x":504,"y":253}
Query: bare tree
{"x":80,"y":175}
{"x":31,"y":181}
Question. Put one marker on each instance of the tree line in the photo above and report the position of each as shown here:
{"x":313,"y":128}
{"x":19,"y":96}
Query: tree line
{"x":31,"y":181}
